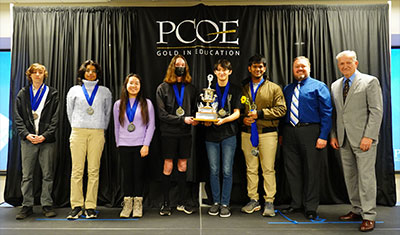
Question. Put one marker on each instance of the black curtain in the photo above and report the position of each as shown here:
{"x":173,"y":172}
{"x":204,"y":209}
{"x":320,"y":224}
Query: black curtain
{"x":123,"y":40}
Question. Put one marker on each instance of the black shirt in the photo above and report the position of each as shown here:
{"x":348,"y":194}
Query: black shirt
{"x":216,"y":133}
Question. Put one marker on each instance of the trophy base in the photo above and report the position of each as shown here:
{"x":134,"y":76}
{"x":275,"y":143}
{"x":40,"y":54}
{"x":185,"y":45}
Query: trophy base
{"x":206,"y":117}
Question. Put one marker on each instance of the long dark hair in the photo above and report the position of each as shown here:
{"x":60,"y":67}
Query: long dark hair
{"x":124,"y":99}
{"x":82,"y":70}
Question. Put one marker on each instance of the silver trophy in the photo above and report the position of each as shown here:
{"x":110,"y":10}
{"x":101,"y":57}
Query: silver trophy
{"x":209,"y":111}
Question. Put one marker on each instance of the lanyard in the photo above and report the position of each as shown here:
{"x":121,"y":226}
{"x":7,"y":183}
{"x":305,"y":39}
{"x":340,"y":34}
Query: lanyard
{"x":254,"y":93}
{"x":91,"y":98}
{"x":130,"y":111}
{"x":222,"y":99}
{"x":36,"y":99}
{"x":179,"y":98}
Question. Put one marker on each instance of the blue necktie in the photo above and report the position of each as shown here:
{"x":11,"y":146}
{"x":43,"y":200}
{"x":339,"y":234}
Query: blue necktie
{"x":294,"y":106}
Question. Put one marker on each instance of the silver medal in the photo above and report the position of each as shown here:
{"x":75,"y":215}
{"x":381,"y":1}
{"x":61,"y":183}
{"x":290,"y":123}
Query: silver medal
{"x":253,"y":106}
{"x":90,"y":110}
{"x":180,"y":112}
{"x":35,"y":116}
{"x":131,"y":127}
{"x":255,"y":152}
{"x":222,"y":112}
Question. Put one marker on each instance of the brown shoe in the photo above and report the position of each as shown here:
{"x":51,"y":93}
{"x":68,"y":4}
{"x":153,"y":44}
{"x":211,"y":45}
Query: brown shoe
{"x":350,"y":217}
{"x":367,"y":225}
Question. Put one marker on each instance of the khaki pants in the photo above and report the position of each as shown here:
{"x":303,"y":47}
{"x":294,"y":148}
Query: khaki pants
{"x":85,"y":144}
{"x":268,"y":143}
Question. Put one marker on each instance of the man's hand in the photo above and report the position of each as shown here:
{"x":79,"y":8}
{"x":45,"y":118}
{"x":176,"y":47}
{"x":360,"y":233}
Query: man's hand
{"x":365,"y":144}
{"x":33,"y":138}
{"x":253,"y":114}
{"x":220,"y":121}
{"x":40,"y":139}
{"x":248,"y":121}
{"x":207,"y":123}
{"x":190,"y":121}
{"x":321,"y":143}
{"x":334,"y":143}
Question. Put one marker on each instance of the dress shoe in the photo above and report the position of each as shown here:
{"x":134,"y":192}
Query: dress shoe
{"x":367,"y":225}
{"x":350,"y":217}
{"x":291,"y":210}
{"x":311,"y":215}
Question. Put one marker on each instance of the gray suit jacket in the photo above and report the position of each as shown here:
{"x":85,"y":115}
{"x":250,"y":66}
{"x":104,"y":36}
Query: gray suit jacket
{"x":361,"y":115}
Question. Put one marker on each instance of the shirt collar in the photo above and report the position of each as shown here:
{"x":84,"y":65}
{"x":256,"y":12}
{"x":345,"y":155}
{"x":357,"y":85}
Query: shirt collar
{"x":351,"y":78}
{"x":302,"y":82}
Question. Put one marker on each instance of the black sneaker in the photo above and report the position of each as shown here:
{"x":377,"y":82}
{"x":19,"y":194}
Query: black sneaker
{"x":24,"y":212}
{"x":185,"y":208}
{"x":165,"y":209}
{"x":225,"y":211}
{"x":75,"y":213}
{"x":48,"y":211}
{"x":214,"y":209}
{"x":90,"y":214}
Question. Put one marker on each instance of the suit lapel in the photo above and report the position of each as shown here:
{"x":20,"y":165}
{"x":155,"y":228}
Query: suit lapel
{"x":339,"y":91}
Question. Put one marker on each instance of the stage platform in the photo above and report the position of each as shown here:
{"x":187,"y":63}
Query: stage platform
{"x":108,"y":222}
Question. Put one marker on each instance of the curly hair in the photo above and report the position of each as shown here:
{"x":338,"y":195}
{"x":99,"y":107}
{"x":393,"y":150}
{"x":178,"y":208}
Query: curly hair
{"x":124,"y":99}
{"x":170,"y":76}
{"x":33,"y":68}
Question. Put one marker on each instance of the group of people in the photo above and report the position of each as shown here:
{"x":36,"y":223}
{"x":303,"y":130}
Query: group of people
{"x":302,"y":118}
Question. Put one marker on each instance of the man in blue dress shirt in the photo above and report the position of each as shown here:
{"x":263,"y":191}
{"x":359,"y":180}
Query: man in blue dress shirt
{"x":305,"y":133}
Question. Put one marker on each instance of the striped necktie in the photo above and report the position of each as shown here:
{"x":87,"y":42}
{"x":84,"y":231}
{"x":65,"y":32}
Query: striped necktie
{"x":294,"y":106}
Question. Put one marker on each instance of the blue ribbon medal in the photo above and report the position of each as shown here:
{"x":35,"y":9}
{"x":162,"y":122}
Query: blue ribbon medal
{"x":36,"y":99}
{"x":130,"y":112}
{"x":90,"y":99}
{"x":179,"y":99}
{"x":222,"y":99}
{"x":254,"y":133}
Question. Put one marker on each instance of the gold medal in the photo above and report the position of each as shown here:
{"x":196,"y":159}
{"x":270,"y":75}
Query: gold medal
{"x":90,"y":111}
{"x":180,"y":112}
{"x":222,"y":112}
{"x":35,"y":116}
{"x":131,"y":127}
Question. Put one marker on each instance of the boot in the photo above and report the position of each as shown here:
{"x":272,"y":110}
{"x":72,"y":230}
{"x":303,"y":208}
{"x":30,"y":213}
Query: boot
{"x":127,"y":209}
{"x":137,"y":207}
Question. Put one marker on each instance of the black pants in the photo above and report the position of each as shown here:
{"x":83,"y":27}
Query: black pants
{"x":132,"y":165}
{"x":302,"y":164}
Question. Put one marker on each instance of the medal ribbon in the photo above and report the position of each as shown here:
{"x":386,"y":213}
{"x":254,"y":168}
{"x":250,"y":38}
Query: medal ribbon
{"x":254,"y":133}
{"x":91,"y":98}
{"x":179,"y":98}
{"x":36,"y":99}
{"x":130,"y":111}
{"x":222,"y":99}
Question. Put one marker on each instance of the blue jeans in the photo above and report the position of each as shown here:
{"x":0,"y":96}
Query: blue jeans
{"x":228,"y":146}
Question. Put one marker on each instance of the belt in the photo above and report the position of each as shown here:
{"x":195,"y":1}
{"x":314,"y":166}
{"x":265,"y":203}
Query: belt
{"x":303,"y":124}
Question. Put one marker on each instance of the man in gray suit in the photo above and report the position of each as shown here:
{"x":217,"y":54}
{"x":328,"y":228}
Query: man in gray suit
{"x":357,"y":98}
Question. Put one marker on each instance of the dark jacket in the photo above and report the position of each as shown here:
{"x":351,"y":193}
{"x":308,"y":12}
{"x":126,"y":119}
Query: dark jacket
{"x":170,"y":123}
{"x":270,"y":103}
{"x":23,"y":117}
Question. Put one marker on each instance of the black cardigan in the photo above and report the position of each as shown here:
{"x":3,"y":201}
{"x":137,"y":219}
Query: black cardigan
{"x":170,"y":123}
{"x":23,"y":117}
